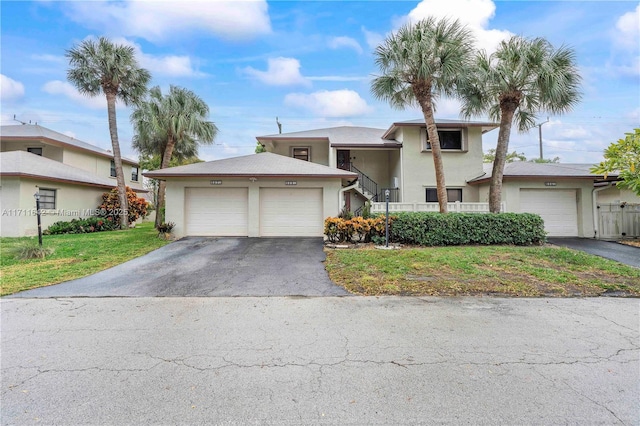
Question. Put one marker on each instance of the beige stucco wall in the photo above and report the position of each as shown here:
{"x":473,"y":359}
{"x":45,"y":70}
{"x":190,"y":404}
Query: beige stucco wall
{"x":101,"y":166}
{"x":459,"y":166}
{"x":175,"y":193}
{"x":584,"y":187}
{"x":319,"y":150}
{"x":614,"y":195}
{"x":48,"y":151}
{"x":18,"y":206}
{"x":373,"y":163}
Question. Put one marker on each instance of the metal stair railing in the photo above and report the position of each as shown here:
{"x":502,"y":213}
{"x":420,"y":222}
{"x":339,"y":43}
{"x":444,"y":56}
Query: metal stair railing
{"x":365,"y":182}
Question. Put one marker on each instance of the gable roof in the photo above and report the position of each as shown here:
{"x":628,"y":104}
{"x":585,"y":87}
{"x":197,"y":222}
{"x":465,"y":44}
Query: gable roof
{"x":342,"y":136}
{"x":265,"y":164}
{"x":529,"y":170}
{"x":26,"y":132}
{"x":486,"y":126}
{"x":26,"y":164}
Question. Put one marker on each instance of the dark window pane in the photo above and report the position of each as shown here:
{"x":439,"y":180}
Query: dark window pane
{"x":47,"y":198}
{"x":134,"y":174}
{"x":301,"y":153}
{"x":453,"y":195}
{"x":449,"y":139}
{"x":36,"y":151}
{"x":113,"y":168}
{"x":432,"y":195}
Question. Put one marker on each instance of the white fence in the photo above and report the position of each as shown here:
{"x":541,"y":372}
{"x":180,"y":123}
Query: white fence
{"x":618,"y":220}
{"x":457,"y":207}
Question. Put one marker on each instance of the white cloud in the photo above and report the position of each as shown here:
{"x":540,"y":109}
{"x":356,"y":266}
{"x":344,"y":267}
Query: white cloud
{"x":57,"y":87}
{"x":58,"y":59}
{"x":336,"y":103}
{"x":170,"y":65}
{"x":10,"y":89}
{"x":373,"y":39}
{"x":476,"y":14}
{"x":627,"y":31}
{"x":162,"y":20}
{"x":345,"y":42}
{"x":280,"y":72}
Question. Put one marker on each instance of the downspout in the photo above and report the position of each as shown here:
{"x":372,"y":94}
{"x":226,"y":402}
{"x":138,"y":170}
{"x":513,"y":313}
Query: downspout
{"x":595,"y":207}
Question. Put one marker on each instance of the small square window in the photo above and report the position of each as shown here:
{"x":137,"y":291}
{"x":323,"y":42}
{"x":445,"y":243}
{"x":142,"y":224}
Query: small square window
{"x":134,"y":174}
{"x":453,"y":195}
{"x":47,"y":198}
{"x":36,"y":151}
{"x":113,"y":168}
{"x":302,"y":153}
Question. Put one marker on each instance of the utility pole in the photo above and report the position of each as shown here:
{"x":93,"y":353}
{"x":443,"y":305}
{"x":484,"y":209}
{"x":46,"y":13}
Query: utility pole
{"x":540,"y":135}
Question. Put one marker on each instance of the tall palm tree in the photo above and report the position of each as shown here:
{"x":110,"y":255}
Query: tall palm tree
{"x":176,"y":122}
{"x":522,"y":78}
{"x":104,"y":67}
{"x":419,"y":63}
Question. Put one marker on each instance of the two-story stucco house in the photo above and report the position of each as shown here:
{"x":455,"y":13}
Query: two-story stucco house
{"x":68,"y":174}
{"x":309,"y":175}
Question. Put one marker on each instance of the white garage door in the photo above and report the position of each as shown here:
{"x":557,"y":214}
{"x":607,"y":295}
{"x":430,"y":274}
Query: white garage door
{"x":291,"y":212}
{"x":558,"y":208}
{"x":216,"y":211}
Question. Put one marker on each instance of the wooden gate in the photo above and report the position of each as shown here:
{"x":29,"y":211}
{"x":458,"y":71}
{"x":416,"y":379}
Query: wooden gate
{"x":618,"y":221}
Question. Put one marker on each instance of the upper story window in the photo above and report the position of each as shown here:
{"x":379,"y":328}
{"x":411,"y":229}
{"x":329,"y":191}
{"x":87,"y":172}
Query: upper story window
{"x":47,"y":198}
{"x":450,"y":139}
{"x":113,"y":168}
{"x":301,"y":153}
{"x":36,"y":151}
{"x":134,"y":173}
{"x":453,"y":195}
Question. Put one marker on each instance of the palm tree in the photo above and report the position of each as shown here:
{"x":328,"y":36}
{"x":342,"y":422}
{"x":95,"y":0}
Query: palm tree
{"x":175,"y":123}
{"x":104,"y":67}
{"x":419,"y":63}
{"x":522,"y":78}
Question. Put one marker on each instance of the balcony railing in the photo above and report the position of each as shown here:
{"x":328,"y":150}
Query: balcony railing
{"x":458,"y":207}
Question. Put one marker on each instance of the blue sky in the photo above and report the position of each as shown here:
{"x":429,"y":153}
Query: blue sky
{"x":308,"y":63}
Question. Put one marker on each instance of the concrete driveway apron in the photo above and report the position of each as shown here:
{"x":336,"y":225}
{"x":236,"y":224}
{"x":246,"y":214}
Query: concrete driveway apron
{"x":199,"y":266}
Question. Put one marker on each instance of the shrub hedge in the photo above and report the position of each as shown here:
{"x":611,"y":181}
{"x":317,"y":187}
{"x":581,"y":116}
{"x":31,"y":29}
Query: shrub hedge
{"x":83,"y":226}
{"x":435,"y":229}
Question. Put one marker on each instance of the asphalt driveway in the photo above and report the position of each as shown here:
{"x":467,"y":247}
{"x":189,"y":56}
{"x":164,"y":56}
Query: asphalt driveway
{"x":628,"y":255}
{"x":211,"y":267}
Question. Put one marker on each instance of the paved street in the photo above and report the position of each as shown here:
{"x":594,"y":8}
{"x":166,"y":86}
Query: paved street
{"x":333,"y":360}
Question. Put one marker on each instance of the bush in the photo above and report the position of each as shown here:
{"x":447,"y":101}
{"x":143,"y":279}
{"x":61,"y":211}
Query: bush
{"x":82,"y":226}
{"x":165,"y":227}
{"x":31,"y":250}
{"x":110,"y":207}
{"x":435,"y":229}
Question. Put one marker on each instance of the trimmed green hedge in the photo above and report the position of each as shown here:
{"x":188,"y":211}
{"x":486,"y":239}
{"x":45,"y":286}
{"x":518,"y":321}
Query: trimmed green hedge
{"x":436,"y":229}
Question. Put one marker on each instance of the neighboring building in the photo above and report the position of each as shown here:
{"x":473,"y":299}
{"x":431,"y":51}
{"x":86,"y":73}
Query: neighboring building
{"x":398,"y":159}
{"x":69,"y":175}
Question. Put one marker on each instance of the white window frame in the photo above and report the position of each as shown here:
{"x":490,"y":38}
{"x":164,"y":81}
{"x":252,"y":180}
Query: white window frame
{"x":137,"y":175}
{"x":308,"y":148}
{"x":464,"y":145}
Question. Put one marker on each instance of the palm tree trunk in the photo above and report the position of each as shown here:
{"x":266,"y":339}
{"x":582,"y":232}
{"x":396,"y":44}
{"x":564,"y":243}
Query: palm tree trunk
{"x":502,"y":148}
{"x":117,"y":160}
{"x":422,"y":93}
{"x":166,"y":159}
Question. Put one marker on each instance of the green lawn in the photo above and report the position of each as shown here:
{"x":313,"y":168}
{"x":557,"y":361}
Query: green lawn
{"x":480,"y":270}
{"x":74,"y":256}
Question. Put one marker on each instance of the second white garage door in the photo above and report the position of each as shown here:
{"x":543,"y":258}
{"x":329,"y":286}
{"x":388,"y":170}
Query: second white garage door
{"x":216,"y":211}
{"x":557,"y":207}
{"x":291,"y":212}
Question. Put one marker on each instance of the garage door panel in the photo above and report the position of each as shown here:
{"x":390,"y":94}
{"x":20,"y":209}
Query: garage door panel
{"x":291,"y":212}
{"x":557,"y":207}
{"x":216,"y":211}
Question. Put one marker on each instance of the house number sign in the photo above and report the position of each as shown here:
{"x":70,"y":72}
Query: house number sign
{"x":290,"y":182}
{"x":549,"y":184}
{"x":216,"y":182}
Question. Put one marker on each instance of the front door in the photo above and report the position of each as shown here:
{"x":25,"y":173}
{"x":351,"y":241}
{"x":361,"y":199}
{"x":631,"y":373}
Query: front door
{"x":343,"y":159}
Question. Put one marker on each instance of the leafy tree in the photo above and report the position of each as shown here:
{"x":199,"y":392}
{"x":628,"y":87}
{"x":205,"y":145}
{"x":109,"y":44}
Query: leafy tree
{"x":164,"y":124}
{"x":490,"y":155}
{"x":545,"y":160}
{"x":152,"y":162}
{"x":419,"y":63}
{"x":522,"y":78}
{"x":260,"y":148}
{"x":111,"y":69}
{"x":623,"y":157}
